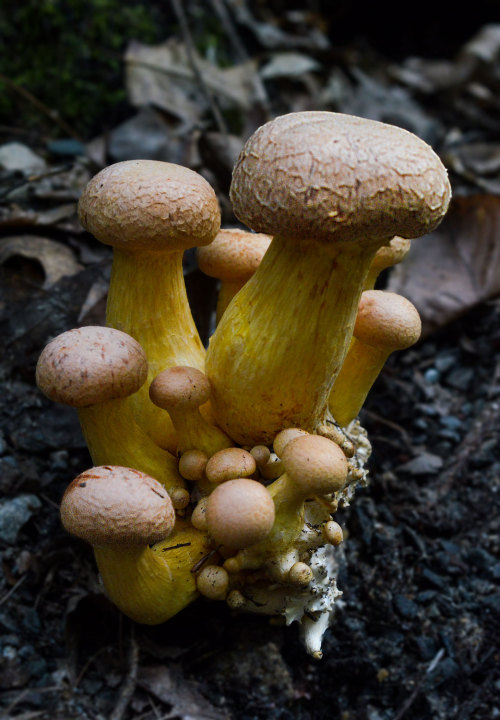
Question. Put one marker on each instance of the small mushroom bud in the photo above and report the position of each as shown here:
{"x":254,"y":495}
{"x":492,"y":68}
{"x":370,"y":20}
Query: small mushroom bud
{"x":213,"y":582}
{"x":232,"y":258}
{"x":300,"y":574}
{"x":192,"y":465}
{"x":181,"y":391}
{"x":385,"y":322}
{"x":332,"y":532}
{"x":284,"y":437}
{"x":199,"y":515}
{"x":239,"y":513}
{"x":261,"y":454}
{"x":236,"y":600}
{"x":230,"y":464}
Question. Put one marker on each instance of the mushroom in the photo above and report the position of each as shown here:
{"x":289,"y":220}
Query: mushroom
{"x":181,"y":391}
{"x":230,"y":464}
{"x":97,"y":370}
{"x":314,"y":466}
{"x":239,"y":513}
{"x":212,"y":582}
{"x":232,"y":258}
{"x":121,"y":512}
{"x":274,"y":467}
{"x":385,"y":257}
{"x":150,"y":212}
{"x":331,"y":189}
{"x":386,"y":322}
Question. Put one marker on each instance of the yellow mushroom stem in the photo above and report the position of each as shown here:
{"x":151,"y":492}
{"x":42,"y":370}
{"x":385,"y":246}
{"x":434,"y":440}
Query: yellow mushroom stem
{"x":246,"y":369}
{"x":113,"y":437}
{"x":152,"y":584}
{"x":166,"y":330}
{"x":150,"y":212}
{"x":232,"y":257}
{"x":386,"y":322}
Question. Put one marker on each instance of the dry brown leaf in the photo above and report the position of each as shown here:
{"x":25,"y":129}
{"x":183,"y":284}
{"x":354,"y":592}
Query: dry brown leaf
{"x":161,"y":76}
{"x":457,"y":266}
{"x":181,"y":694}
{"x":57,"y":260}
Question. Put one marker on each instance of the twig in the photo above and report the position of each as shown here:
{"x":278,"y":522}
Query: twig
{"x":128,"y":686}
{"x":389,"y":423}
{"x":40,"y":106}
{"x":12,"y":590}
{"x":409,"y":702}
{"x":34,"y":178}
{"x":469,"y":445}
{"x":239,"y":49}
{"x":191,"y":53}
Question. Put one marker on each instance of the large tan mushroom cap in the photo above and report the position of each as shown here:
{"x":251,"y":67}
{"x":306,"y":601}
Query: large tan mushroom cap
{"x":315,"y":464}
{"x":234,"y":255}
{"x":325,"y":176}
{"x":91,"y":365}
{"x":148,"y":204}
{"x":387,"y":320}
{"x":180,"y":387}
{"x":117,"y":506}
{"x":239,"y":513}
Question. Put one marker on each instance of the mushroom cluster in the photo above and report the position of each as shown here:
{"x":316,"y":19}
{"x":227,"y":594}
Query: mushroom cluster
{"x":218,"y":472}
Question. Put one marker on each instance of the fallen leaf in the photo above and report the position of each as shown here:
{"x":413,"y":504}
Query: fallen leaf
{"x":455,"y":267}
{"x":424,"y":464}
{"x":57,"y":260}
{"x":185,"y":700}
{"x":161,"y":76}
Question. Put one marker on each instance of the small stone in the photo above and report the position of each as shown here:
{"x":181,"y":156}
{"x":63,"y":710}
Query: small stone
{"x":15,"y":156}
{"x":432,"y":376}
{"x":433,"y":579}
{"x":461,"y":378}
{"x":15,"y":513}
{"x":426,"y":647}
{"x":492,"y":602}
{"x":445,"y":361}
{"x":405,"y":607}
{"x":424,"y":464}
{"x":451,"y":422}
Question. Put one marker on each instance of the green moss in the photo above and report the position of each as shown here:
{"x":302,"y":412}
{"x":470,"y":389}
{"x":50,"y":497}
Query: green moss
{"x":68,"y":54}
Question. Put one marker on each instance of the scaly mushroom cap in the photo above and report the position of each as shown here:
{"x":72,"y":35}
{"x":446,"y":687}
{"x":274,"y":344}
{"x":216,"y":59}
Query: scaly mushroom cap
{"x":239,"y":513}
{"x":229,"y":464}
{"x":91,"y":365}
{"x":180,"y":387}
{"x":234,"y":255}
{"x":112,"y":505}
{"x":315,"y":464}
{"x":387,"y":320}
{"x":149,"y":204}
{"x":325,"y":176}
